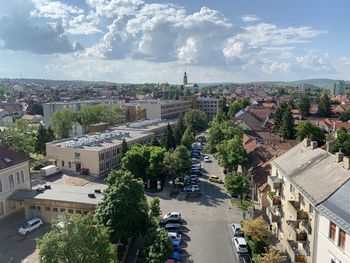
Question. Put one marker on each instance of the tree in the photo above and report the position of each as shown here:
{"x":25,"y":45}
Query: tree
{"x":231,"y":153}
{"x":61,"y":122}
{"x":345,"y":115}
{"x":157,"y":246}
{"x":188,"y":138}
{"x":42,"y":137}
{"x":154,"y":142}
{"x":286,"y":129}
{"x":307,"y":130}
{"x":196,"y":119}
{"x":179,"y":130}
{"x":304,"y":106}
{"x":125,"y":147}
{"x":342,"y":142}
{"x":236,"y":106}
{"x":124,"y":208}
{"x":101,"y":113}
{"x":256,"y":229}
{"x":272,"y":256}
{"x":168,"y":139}
{"x":154,"y":207}
{"x":89,"y":239}
{"x":324,"y":106}
{"x":282,"y":108}
{"x":237,"y":183}
{"x":177,"y":163}
{"x":155,"y":166}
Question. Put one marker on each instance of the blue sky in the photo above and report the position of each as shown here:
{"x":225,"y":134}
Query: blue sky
{"x":155,"y":41}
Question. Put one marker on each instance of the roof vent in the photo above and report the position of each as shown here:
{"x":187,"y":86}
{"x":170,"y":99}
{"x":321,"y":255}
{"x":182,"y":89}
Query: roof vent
{"x":7,"y":160}
{"x":47,"y":186}
{"x":97,"y":191}
{"x":92,"y":195}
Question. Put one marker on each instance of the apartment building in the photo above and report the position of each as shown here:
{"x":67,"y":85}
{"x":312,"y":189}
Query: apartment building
{"x":14,"y":175}
{"x":302,"y":178}
{"x":51,"y":107}
{"x":160,"y":109}
{"x":333,"y":235}
{"x":100,"y":152}
{"x":209,"y":106}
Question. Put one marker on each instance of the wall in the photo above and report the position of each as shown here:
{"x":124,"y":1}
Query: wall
{"x":327,"y":249}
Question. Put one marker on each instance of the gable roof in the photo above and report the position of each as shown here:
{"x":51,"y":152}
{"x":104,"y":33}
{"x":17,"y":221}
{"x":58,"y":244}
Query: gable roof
{"x":337,"y":207}
{"x":313,"y":172}
{"x":9,"y":158}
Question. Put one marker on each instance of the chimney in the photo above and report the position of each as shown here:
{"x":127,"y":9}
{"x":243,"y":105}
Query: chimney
{"x":346,"y":162}
{"x":307,"y":142}
{"x":329,"y":146}
{"x":314,"y":145}
{"x":339,"y":156}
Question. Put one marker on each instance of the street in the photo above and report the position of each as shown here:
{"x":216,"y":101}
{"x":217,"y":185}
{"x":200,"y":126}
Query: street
{"x":207,"y":219}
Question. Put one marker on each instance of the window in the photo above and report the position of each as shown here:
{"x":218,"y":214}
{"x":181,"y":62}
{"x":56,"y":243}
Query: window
{"x":62,"y":210}
{"x":77,"y":155}
{"x":70,"y":211}
{"x":22,"y":177}
{"x":54,"y":209}
{"x":2,"y":210}
{"x":18,"y":179}
{"x":69,"y":164}
{"x":1,"y":185}
{"x":62,"y":163}
{"x":11,"y":182}
{"x":78,"y":211}
{"x":341,"y":238}
{"x":47,"y":209}
{"x":332,"y":229}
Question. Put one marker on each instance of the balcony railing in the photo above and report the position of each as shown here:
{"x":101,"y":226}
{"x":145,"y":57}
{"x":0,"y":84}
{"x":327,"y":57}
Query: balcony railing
{"x":294,"y":209}
{"x":296,"y":234}
{"x":275,"y":182}
{"x":274,"y":199}
{"x":294,"y":253}
{"x":274,"y":214}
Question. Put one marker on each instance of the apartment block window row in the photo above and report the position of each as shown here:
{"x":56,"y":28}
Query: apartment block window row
{"x":341,"y":238}
{"x":332,"y":230}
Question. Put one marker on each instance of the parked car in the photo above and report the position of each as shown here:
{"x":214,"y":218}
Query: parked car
{"x":195,"y":160}
{"x":196,"y":165}
{"x":173,"y":227}
{"x":163,"y":222}
{"x":236,"y":229}
{"x":237,"y":196}
{"x":244,"y":259}
{"x":215,"y":179}
{"x":174,"y":236}
{"x":176,"y":245}
{"x":172,"y":215}
{"x":176,"y":256}
{"x":196,"y":172}
{"x":240,"y":245}
{"x":206,"y":159}
{"x":192,"y":182}
{"x":30,"y":226}
{"x":192,"y":188}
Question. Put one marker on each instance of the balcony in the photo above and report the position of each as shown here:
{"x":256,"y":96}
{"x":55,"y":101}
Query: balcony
{"x":274,"y":182}
{"x":296,"y":234}
{"x":296,"y":256}
{"x":274,"y":214}
{"x":274,"y":199}
{"x":295,"y":212}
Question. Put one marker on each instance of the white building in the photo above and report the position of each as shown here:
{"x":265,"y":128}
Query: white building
{"x":209,"y":106}
{"x":333,"y":235}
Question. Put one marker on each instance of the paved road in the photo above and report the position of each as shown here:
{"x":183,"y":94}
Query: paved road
{"x":208,"y":217}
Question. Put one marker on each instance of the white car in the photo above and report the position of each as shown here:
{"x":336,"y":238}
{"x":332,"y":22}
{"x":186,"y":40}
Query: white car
{"x":172,"y":215}
{"x":192,"y":188}
{"x":240,"y":245}
{"x":236,"y":229}
{"x":206,"y":159}
{"x":30,"y":226}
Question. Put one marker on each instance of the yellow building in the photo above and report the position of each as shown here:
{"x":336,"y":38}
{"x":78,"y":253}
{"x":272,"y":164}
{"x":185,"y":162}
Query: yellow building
{"x":14,"y":175}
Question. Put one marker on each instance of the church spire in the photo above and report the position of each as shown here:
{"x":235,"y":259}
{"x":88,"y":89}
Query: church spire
{"x":185,"y":79}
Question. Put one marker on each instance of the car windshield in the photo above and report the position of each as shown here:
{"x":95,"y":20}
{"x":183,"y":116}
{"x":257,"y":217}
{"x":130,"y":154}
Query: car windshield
{"x":242,"y":246}
{"x":26,"y":225}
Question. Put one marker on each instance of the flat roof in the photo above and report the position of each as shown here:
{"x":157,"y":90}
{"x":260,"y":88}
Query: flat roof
{"x":156,"y":101}
{"x":62,"y":193}
{"x":81,"y":101}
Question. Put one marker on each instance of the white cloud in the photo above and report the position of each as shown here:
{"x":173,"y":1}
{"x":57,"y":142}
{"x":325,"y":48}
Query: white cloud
{"x":345,"y":61}
{"x":270,"y":67}
{"x":249,"y":18}
{"x":112,"y":8}
{"x":54,"y":9}
{"x":312,"y":60}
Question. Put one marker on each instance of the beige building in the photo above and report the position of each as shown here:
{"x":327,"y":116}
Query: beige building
{"x":55,"y":200}
{"x":161,"y":109}
{"x":14,"y":175}
{"x":302,"y":178}
{"x":100,"y":152}
{"x":209,"y":106}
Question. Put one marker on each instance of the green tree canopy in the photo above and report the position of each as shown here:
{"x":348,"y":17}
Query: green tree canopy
{"x":81,"y":240}
{"x":42,"y":137}
{"x":237,"y":183}
{"x":286,"y":129}
{"x":157,"y":246}
{"x":304,"y":106}
{"x":179,"y":130}
{"x":307,"y":130}
{"x":231,"y":153}
{"x":256,"y":229}
{"x":168,"y":141}
{"x":125,"y":147}
{"x":281,"y":109}
{"x":154,"y":207}
{"x":196,"y":119}
{"x":101,"y":113}
{"x":342,"y":142}
{"x":236,"y":106}
{"x":61,"y":122}
{"x":272,"y":256}
{"x":177,"y":163}
{"x":124,"y":207}
{"x":324,"y":106}
{"x":188,"y":138}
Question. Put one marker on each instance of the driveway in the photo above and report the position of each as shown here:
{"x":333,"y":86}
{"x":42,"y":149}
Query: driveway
{"x":15,"y":248}
{"x":208,"y":216}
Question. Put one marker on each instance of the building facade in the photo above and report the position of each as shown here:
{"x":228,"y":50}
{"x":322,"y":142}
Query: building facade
{"x":209,"y":106}
{"x":338,"y":88}
{"x":14,"y":175}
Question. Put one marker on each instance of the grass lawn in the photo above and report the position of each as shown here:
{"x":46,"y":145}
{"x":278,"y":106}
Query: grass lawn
{"x":245,"y":205}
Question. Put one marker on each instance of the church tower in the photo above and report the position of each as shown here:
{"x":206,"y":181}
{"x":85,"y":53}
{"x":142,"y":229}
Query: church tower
{"x":185,"y":79}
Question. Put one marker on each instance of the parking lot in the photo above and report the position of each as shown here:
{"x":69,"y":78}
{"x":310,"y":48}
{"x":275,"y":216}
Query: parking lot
{"x":207,"y":215}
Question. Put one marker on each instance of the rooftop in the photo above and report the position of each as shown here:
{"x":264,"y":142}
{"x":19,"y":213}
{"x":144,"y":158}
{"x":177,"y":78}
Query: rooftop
{"x":63,"y":193}
{"x":155,"y":101}
{"x":79,"y":102}
{"x":9,"y":158}
{"x":313,"y":171}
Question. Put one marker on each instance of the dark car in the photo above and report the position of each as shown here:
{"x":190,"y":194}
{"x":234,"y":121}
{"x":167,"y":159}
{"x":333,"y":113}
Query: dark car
{"x":196,"y":172}
{"x":164,"y":222}
{"x":244,"y":259}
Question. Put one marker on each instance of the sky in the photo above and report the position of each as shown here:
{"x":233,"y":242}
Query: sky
{"x":138,"y":41}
